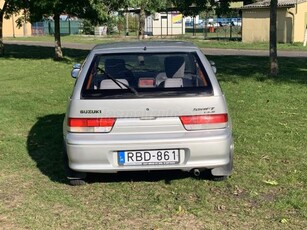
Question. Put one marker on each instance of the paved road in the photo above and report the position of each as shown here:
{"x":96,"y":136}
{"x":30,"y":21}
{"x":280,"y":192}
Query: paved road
{"x":207,"y":51}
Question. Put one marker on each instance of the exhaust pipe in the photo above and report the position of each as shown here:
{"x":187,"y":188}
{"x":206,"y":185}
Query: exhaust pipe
{"x":196,"y":172}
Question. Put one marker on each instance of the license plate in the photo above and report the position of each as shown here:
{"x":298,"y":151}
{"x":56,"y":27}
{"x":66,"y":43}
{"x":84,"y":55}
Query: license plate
{"x":149,"y":157}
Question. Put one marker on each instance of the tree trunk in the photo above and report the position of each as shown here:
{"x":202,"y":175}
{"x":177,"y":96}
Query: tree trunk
{"x":1,"y":35}
{"x":305,"y":39}
{"x":127,"y":22}
{"x":273,"y":39}
{"x":1,"y":28}
{"x":142,"y":23}
{"x":57,"y":38}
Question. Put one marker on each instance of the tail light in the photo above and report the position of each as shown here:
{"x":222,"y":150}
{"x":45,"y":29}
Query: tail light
{"x":208,"y":121}
{"x":98,"y":125}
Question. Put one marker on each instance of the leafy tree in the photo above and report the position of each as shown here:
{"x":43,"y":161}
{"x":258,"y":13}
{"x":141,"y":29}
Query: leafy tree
{"x":2,"y":12}
{"x":40,"y":9}
{"x":222,"y":8}
{"x":94,"y":10}
{"x":9,"y":8}
{"x":193,"y":7}
{"x":246,"y":2}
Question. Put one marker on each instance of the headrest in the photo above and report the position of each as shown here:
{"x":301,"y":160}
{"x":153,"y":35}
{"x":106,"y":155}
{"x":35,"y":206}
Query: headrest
{"x":174,"y":66}
{"x":114,"y":65}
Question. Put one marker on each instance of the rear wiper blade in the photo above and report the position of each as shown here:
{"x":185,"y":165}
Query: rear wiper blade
{"x":119,"y":83}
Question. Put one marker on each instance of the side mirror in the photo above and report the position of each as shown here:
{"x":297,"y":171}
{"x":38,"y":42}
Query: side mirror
{"x":75,"y":70}
{"x":212,"y":63}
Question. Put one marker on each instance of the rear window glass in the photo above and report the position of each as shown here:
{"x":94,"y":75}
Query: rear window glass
{"x":146,"y":75}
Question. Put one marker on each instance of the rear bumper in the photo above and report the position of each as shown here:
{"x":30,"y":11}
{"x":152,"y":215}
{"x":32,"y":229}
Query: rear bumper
{"x":200,"y":149}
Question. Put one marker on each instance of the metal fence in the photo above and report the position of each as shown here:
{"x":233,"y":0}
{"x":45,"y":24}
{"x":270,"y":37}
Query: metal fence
{"x":218,"y":32}
{"x":228,"y":32}
{"x":47,"y":28}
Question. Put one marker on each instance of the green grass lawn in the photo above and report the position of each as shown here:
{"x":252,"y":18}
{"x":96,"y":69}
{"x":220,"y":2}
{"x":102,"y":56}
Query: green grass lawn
{"x":266,"y":190}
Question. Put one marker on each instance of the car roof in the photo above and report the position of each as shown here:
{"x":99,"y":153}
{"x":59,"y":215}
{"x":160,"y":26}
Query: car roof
{"x":146,"y":45}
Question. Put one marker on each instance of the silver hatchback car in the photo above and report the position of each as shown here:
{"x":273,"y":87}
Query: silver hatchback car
{"x":144,"y":106}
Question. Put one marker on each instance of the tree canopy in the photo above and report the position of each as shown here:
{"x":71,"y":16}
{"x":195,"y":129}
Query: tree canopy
{"x":98,"y":11}
{"x":193,"y":7}
{"x":9,"y":8}
{"x":94,"y":10}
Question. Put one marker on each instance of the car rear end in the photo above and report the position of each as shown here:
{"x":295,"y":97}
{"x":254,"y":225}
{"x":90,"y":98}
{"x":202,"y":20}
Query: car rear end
{"x":157,"y":106}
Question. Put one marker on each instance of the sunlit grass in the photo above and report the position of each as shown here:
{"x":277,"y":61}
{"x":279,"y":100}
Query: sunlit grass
{"x":267,"y":188}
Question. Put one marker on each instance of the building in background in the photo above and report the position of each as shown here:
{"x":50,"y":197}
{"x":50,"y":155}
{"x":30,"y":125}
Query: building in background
{"x":165,"y":24}
{"x":10,"y":28}
{"x":291,"y":21}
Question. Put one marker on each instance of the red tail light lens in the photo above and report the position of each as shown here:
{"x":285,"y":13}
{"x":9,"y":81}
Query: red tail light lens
{"x":207,"y":121}
{"x":91,"y":124}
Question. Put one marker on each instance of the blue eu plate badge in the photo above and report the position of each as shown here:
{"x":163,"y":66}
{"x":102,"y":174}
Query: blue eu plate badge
{"x":121,"y":157}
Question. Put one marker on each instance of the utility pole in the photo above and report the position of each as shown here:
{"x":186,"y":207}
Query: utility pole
{"x":13,"y":26}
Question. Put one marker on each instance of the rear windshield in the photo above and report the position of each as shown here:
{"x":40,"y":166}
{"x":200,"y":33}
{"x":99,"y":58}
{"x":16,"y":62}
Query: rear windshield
{"x":146,"y":75}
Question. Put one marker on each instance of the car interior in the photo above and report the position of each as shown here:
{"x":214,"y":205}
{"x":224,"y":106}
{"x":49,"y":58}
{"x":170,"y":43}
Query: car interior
{"x":146,"y":71}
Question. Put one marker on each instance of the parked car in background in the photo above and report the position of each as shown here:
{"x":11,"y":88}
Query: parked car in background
{"x":145,"y":106}
{"x":220,"y":22}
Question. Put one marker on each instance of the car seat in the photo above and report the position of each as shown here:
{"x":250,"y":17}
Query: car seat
{"x":116,"y":68}
{"x":174,"y":66}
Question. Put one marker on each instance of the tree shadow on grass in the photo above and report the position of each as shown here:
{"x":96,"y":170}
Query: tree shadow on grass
{"x":45,"y":147}
{"x":230,"y":68}
{"x":234,"y":68}
{"x":42,"y":52}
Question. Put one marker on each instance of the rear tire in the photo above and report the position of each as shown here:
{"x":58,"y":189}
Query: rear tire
{"x":75,"y":178}
{"x":77,"y":182}
{"x":218,"y":178}
{"x":207,"y":175}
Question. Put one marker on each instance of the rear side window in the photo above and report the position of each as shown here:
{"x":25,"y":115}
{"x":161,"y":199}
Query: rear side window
{"x":146,"y":75}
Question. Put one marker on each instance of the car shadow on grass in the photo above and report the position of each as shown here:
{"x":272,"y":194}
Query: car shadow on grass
{"x":45,"y":147}
{"x":152,"y":176}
